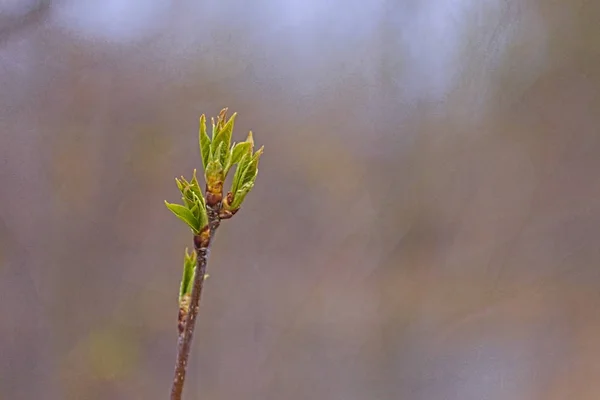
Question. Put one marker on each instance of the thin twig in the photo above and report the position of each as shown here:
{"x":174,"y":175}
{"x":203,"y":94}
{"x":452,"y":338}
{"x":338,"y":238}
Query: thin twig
{"x":202,"y":247}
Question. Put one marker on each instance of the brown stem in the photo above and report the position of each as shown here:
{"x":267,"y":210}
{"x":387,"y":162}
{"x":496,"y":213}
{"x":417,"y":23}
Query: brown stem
{"x":184,"y":344}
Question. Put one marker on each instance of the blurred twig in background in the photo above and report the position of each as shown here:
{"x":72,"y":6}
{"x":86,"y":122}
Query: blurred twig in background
{"x":32,"y":18}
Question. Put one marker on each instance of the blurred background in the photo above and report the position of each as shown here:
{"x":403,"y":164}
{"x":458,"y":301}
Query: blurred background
{"x":425,"y":223}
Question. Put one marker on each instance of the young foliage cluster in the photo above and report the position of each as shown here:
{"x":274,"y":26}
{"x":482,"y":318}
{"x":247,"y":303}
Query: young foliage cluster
{"x":187,"y":280}
{"x":219,"y":155}
{"x":193,"y":210}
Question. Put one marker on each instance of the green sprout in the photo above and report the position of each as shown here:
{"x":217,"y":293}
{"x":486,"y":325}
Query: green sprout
{"x":218,"y":155}
{"x":187,"y":280}
{"x":193,"y":210}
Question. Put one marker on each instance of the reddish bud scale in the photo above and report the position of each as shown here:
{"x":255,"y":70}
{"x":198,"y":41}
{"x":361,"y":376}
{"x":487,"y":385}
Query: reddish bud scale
{"x":202,"y":240}
{"x":214,"y":194}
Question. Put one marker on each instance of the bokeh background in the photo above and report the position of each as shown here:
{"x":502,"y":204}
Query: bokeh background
{"x":425,"y":224}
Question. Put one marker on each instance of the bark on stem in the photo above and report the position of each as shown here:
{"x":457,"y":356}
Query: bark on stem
{"x":184,"y":344}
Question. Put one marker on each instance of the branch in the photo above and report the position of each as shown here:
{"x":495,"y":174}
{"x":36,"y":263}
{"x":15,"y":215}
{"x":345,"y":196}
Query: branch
{"x":203,"y":213}
{"x":187,"y":325}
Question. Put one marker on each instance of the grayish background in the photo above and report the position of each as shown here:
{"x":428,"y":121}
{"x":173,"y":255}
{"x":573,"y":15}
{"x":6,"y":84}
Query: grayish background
{"x":425,"y":223}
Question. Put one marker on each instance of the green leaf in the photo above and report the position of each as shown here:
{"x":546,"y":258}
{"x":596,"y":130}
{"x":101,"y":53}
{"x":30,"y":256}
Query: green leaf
{"x":250,"y":140}
{"x":180,"y":185}
{"x":183,"y":187}
{"x":190,"y":191}
{"x":221,"y":119}
{"x":239,"y":170}
{"x":198,"y":200}
{"x":238,"y":151}
{"x":214,"y":129}
{"x":195,"y":187}
{"x":214,"y":170}
{"x":235,"y":155}
{"x":186,"y":192}
{"x":252,"y":168}
{"x":204,"y":141}
{"x":184,"y":214}
{"x":244,"y":178}
{"x":186,"y":197}
{"x":187,"y":280}
{"x":225,"y":160}
{"x":222,"y":140}
{"x":227,"y":131}
{"x":240,"y":195}
{"x":199,"y":211}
